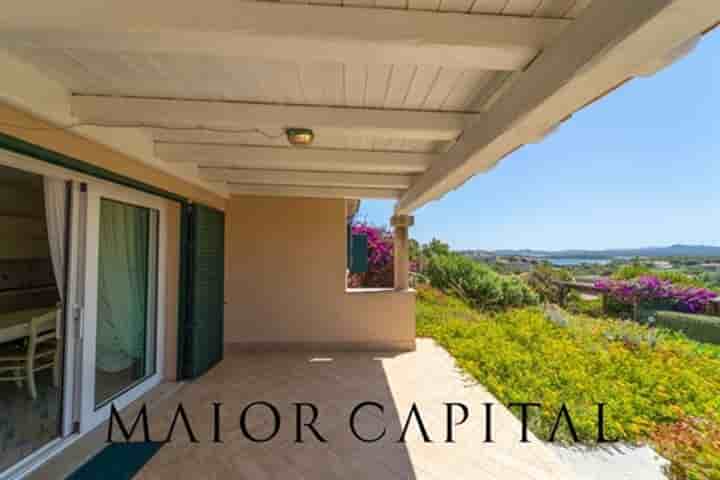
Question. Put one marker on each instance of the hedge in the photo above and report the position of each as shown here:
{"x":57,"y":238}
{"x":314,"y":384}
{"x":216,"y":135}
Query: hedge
{"x":702,"y":328}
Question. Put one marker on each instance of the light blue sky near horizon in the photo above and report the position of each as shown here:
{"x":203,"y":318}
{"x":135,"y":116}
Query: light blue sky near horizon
{"x":639,"y":168}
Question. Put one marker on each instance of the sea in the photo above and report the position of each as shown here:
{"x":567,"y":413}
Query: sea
{"x":565,"y":262}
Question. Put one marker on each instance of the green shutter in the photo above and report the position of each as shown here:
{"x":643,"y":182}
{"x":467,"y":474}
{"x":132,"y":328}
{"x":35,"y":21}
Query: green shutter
{"x":203,"y":333}
{"x":359,"y":253}
{"x":348,"y":246}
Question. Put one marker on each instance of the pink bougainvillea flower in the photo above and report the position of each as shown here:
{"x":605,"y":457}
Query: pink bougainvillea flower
{"x":688,"y":299}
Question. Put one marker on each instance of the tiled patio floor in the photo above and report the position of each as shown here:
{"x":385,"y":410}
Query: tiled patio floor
{"x":336,"y":383}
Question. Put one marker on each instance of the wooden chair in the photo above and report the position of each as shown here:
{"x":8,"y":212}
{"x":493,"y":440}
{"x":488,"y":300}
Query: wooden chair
{"x":19,"y":364}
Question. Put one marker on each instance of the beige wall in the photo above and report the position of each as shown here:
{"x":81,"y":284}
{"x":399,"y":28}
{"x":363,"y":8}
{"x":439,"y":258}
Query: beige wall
{"x":285,"y":283}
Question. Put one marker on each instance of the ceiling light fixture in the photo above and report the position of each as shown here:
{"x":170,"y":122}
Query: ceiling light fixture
{"x":300,"y":136}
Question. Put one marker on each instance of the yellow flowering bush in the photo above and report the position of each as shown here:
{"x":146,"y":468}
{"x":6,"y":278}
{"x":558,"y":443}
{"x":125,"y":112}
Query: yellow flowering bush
{"x":650,"y":381}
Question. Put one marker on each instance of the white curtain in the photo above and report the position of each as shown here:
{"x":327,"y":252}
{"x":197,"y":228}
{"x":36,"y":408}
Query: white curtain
{"x":122,"y":286}
{"x":56,"y":219}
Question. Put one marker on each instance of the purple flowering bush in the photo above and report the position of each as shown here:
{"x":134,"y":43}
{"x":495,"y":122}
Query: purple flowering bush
{"x":380,"y":244}
{"x":651,"y":288}
{"x":380,"y":258}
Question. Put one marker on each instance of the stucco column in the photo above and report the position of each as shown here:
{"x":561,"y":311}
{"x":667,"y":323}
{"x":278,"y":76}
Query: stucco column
{"x":401,"y":224}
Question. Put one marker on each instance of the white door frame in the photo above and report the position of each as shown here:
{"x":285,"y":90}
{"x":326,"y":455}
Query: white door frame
{"x":74,"y":314}
{"x":90,"y":415}
{"x":65,"y":435}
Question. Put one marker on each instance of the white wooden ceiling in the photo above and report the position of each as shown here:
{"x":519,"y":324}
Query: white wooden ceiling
{"x":212,"y":75}
{"x":392,"y":88}
{"x":208,"y":77}
{"x":422,"y":62}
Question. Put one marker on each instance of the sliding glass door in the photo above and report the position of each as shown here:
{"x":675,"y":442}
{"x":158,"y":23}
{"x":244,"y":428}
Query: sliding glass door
{"x":121,"y":351}
{"x":83,"y":267}
{"x":33,"y":222}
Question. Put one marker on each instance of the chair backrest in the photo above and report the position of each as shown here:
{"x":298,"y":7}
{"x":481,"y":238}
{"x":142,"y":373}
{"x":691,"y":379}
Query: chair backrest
{"x":42,"y":329}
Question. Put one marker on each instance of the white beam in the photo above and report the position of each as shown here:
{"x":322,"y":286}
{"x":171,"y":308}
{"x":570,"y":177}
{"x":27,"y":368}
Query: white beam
{"x":606,"y":45}
{"x":241,"y":116}
{"x":313,"y":192}
{"x":288,"y":32}
{"x":294,"y":158}
{"x":300,"y":178}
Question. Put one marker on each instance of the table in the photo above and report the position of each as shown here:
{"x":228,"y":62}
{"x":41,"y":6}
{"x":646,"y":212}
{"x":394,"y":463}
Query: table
{"x":16,"y":325}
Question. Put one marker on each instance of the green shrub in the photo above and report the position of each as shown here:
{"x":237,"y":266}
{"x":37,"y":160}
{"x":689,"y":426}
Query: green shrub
{"x":590,"y":307}
{"x":477,"y":284}
{"x":633,"y":271}
{"x":543,"y":279}
{"x":680,"y":279}
{"x":702,"y":328}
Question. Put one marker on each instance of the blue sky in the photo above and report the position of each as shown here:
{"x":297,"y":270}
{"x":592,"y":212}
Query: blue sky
{"x":638,"y":168}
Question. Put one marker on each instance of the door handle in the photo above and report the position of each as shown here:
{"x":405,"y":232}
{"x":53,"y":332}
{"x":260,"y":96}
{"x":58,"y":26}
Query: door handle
{"x":78,"y":317}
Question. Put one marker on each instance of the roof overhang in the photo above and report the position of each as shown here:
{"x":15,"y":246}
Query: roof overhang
{"x":604,"y":48}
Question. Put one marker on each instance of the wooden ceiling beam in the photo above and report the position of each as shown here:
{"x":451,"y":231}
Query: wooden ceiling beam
{"x":281,"y":31}
{"x":294,"y":158}
{"x":242,"y":116}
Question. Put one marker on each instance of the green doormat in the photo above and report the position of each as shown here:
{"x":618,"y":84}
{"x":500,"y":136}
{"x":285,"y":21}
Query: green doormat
{"x":119,"y":461}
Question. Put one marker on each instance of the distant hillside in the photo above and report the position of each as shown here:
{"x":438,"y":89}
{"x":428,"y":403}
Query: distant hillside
{"x":671,"y":251}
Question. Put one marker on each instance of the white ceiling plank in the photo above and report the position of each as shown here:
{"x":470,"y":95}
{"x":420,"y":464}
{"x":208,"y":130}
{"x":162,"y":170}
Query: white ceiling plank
{"x":422,"y":83}
{"x":428,"y":5}
{"x":579,"y":6}
{"x":599,"y":51}
{"x":489,"y":6}
{"x":307,"y":179}
{"x":521,"y":7}
{"x":169,"y":75}
{"x":313,"y":192}
{"x":298,"y":158}
{"x":222,"y":81}
{"x":554,"y":8}
{"x":401,"y":78}
{"x":355,"y":78}
{"x":322,"y":83}
{"x":269,"y":81}
{"x":464,"y":90}
{"x":443,"y":86}
{"x":460,"y":6}
{"x":168,"y":113}
{"x":484,"y":98}
{"x":378,"y":81}
{"x":281,"y":31}
{"x":97,"y":65}
{"x":61,"y":67}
